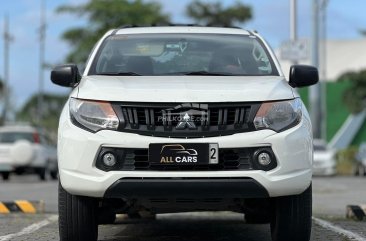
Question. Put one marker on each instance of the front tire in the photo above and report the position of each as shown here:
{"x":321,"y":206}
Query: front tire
{"x":77,"y":217}
{"x":291,"y":218}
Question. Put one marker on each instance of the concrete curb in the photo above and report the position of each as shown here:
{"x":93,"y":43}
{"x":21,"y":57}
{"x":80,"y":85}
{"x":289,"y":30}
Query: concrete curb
{"x":357,"y":212}
{"x":22,"y":206}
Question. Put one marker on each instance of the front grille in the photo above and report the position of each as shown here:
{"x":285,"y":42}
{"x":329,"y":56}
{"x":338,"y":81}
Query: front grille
{"x":229,"y":160}
{"x":162,"y":119}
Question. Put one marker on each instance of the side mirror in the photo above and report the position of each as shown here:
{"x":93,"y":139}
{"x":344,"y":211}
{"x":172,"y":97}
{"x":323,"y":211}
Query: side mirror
{"x":65,"y":75}
{"x":303,"y":75}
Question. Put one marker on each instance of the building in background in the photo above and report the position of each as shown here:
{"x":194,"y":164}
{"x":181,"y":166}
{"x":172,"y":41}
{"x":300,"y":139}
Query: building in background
{"x":340,"y":56}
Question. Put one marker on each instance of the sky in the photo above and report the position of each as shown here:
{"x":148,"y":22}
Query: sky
{"x":270,"y":19}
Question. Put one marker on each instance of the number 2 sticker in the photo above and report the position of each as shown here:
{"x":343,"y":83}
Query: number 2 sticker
{"x":214,"y":153}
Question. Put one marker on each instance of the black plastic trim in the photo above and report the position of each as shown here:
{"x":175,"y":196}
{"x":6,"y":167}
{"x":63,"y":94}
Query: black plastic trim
{"x":257,"y":165}
{"x":247,"y":160}
{"x":200,"y":132}
{"x":186,"y":188}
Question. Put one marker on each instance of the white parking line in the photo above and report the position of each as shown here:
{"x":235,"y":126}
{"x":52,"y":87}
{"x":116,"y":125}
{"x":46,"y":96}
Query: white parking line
{"x":31,"y":228}
{"x":348,"y":234}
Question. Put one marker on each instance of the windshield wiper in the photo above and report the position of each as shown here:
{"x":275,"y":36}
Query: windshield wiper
{"x":203,"y":72}
{"x":119,"y":73}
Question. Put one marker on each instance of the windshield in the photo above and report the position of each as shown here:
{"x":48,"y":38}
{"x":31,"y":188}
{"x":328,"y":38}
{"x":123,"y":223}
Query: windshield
{"x":10,"y":137}
{"x":182,"y":54}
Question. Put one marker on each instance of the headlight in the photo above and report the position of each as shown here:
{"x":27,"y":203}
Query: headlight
{"x":278,"y":116}
{"x":93,"y":115}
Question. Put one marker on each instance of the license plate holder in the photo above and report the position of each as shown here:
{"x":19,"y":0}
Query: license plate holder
{"x":184,"y":153}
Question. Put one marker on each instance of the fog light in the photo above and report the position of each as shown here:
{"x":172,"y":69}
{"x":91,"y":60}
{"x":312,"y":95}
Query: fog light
{"x":109,"y":159}
{"x":264,"y":159}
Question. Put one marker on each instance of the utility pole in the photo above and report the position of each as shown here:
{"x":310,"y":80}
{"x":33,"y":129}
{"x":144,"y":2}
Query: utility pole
{"x":323,"y":68}
{"x":7,"y":39}
{"x":42,"y":37}
{"x":293,"y":22}
{"x":315,"y":90}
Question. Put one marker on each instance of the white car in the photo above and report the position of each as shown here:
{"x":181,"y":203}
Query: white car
{"x":324,"y":159}
{"x":184,"y":118}
{"x":24,"y":148}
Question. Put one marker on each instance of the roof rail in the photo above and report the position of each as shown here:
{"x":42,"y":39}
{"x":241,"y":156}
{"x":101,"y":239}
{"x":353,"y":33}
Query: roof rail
{"x":252,"y":32}
{"x":172,"y":25}
{"x":160,"y":25}
{"x":222,"y":26}
{"x":185,"y":25}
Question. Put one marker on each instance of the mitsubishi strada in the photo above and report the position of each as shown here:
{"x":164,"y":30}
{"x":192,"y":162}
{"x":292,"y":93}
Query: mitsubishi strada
{"x":184,"y":118}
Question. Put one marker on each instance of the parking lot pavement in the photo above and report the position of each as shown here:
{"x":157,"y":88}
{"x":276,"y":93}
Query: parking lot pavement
{"x":331,"y":195}
{"x":180,"y":227}
{"x":29,"y":187}
{"x":353,"y":226}
{"x":28,"y":227}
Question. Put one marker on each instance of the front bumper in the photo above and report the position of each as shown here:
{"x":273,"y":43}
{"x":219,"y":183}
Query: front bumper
{"x":78,"y":150}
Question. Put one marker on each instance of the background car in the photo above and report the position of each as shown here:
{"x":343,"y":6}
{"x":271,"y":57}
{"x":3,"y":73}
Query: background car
{"x":360,"y":167}
{"x":324,"y":163}
{"x":24,"y":148}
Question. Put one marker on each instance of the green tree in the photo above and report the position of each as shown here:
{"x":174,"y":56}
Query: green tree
{"x":104,"y":15}
{"x":215,"y":14}
{"x":52,"y":106}
{"x":355,"y":96}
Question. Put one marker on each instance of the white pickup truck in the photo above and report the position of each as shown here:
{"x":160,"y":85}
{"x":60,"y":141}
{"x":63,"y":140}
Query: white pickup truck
{"x":184,"y":118}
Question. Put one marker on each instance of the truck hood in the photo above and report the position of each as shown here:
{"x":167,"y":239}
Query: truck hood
{"x":184,"y":88}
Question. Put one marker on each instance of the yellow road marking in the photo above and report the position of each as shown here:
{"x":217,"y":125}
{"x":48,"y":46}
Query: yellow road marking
{"x":25,"y":206}
{"x":3,"y":208}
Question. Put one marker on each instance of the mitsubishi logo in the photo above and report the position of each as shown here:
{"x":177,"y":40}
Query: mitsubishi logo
{"x":187,"y":122}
